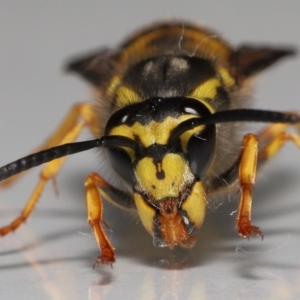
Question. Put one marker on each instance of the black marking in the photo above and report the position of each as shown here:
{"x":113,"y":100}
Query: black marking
{"x":157,"y":152}
{"x":190,"y":226}
{"x":160,"y":175}
{"x":167,"y":79}
{"x":155,"y":109}
{"x":158,"y":240}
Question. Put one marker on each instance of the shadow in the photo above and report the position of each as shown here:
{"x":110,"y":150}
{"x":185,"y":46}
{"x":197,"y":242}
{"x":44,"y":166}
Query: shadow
{"x":133,"y":242}
{"x":42,"y":262}
{"x":45,"y":239}
{"x":270,"y":185}
{"x":217,"y":235}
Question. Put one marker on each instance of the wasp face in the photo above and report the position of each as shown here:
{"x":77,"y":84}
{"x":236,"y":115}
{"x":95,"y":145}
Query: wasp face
{"x":165,"y":174}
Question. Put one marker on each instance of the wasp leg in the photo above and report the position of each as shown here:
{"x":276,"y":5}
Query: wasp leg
{"x":274,"y":137}
{"x":48,"y":172}
{"x":278,"y":138}
{"x":94,"y":211}
{"x":247,"y":173}
{"x":268,"y":135}
{"x":82,"y":110}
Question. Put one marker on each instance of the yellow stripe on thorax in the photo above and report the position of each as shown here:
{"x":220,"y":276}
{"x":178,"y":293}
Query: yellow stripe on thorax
{"x":226,"y":77}
{"x":206,"y":90}
{"x":123,"y":95}
{"x":185,"y":39}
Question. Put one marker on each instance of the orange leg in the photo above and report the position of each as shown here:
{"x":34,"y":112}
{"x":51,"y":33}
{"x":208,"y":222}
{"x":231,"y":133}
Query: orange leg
{"x":247,"y":174}
{"x":275,"y":145}
{"x":81,"y":110}
{"x":67,"y":132}
{"x":275,"y":137}
{"x":48,"y":172}
{"x":94,"y":211}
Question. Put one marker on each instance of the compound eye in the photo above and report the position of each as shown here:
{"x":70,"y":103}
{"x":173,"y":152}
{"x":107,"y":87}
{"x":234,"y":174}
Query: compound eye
{"x":121,"y":163}
{"x":200,"y":150}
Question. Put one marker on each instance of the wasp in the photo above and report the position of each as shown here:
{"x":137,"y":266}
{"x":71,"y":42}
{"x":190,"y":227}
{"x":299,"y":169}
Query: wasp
{"x":169,"y":104}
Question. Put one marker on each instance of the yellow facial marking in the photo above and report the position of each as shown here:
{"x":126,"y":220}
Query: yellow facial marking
{"x":145,"y":211}
{"x":195,"y":204}
{"x":227,"y":79}
{"x":154,"y":132}
{"x":187,"y":135}
{"x":206,"y":90}
{"x":165,"y":181}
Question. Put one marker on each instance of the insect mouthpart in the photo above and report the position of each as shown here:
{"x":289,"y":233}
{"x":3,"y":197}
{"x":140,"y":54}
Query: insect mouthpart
{"x":172,"y":225}
{"x":173,"y":221}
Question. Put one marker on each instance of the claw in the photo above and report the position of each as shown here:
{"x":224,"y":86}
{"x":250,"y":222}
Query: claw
{"x":246,"y":230}
{"x":106,"y":258}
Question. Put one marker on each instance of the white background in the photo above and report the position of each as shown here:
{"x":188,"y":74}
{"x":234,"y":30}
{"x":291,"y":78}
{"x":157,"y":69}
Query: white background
{"x":51,"y":256}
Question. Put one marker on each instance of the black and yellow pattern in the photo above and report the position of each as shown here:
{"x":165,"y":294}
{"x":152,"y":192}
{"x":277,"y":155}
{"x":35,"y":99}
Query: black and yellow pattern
{"x":159,"y":78}
{"x":168,"y":100}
